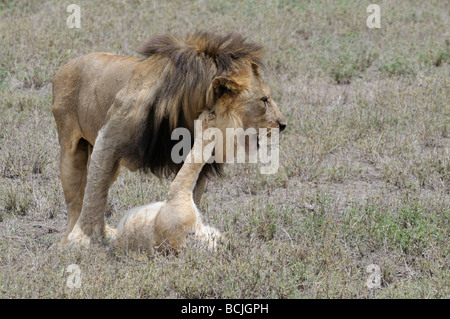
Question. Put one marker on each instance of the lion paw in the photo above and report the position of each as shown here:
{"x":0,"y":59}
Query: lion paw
{"x":110,"y":234}
{"x":210,"y":236}
{"x":78,"y":238}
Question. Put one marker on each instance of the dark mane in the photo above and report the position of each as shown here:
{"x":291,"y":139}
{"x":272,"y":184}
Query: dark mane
{"x":183,"y":91}
{"x":226,"y":52}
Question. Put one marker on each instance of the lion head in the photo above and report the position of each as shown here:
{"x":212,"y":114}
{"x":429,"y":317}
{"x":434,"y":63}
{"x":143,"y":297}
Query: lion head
{"x":201,"y":72}
{"x":243,"y":100}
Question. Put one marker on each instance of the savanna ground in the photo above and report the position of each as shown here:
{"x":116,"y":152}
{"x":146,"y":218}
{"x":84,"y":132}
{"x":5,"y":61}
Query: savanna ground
{"x":364,"y":174}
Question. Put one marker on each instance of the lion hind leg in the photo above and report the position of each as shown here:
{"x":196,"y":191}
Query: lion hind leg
{"x":73,"y":167}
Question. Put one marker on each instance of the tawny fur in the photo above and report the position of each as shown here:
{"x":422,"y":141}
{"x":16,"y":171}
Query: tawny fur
{"x":165,"y":225}
{"x":114,"y":111}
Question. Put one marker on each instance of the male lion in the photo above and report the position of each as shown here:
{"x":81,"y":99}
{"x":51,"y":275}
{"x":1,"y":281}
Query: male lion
{"x":113,"y":110}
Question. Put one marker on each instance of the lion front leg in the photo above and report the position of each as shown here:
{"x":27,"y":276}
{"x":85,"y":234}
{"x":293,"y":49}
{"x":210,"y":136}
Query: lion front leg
{"x":199,"y":189}
{"x":103,"y":169}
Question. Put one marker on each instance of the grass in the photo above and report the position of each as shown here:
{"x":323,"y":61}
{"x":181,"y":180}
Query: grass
{"x":364,"y":167}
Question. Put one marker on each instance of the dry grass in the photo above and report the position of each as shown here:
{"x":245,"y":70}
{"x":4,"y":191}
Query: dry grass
{"x":364,"y":176}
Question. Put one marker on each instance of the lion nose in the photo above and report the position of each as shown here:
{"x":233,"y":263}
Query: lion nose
{"x":282,"y":125}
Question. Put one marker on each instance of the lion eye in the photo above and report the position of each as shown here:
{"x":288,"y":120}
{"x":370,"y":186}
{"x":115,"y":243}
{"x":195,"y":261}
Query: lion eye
{"x":265,"y":99}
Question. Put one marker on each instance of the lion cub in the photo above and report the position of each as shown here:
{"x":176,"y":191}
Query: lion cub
{"x":165,"y":225}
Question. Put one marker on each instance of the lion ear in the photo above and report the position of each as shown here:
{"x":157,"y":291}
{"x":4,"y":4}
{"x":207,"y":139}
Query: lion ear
{"x":255,"y":68}
{"x":224,"y":85}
